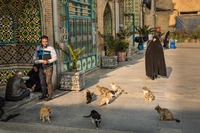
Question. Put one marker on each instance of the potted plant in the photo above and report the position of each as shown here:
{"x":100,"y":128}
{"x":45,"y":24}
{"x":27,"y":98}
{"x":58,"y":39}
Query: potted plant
{"x":160,"y":34}
{"x":124,"y":34}
{"x":73,"y":79}
{"x":110,"y":59}
{"x":121,"y":48}
{"x":144,"y":35}
{"x":194,"y":36}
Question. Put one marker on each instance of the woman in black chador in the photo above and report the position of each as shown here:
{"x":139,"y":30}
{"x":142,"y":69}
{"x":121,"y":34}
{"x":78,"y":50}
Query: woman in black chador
{"x":154,"y":59}
{"x":34,"y":81}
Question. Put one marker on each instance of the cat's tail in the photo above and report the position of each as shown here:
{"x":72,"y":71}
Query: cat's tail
{"x":177,"y":120}
{"x":88,"y":116}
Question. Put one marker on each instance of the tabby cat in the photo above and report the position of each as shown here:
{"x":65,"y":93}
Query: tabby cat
{"x":95,"y":117}
{"x":108,"y":96}
{"x":165,"y":114}
{"x":45,"y":113}
{"x":148,"y":95}
{"x":88,"y":96}
{"x":117,"y":89}
{"x":102,"y":90}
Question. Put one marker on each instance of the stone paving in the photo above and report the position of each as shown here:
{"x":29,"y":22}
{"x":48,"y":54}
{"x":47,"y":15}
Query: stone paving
{"x":179,"y":92}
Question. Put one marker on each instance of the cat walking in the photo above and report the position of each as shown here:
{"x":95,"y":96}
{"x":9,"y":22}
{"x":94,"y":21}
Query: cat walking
{"x":102,"y":90}
{"x":165,"y":114}
{"x":45,"y":113}
{"x":95,"y":117}
{"x":106,"y":99}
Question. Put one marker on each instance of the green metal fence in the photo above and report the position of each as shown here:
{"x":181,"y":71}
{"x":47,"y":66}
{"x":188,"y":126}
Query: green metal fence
{"x":81,"y":32}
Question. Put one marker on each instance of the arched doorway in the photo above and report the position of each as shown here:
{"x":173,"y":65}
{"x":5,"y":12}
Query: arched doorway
{"x":20,"y":28}
{"x":107,"y":21}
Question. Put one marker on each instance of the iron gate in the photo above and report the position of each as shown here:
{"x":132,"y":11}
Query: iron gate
{"x":81,"y":32}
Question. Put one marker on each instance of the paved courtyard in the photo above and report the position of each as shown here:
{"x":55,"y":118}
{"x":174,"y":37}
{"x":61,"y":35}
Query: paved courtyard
{"x":179,"y":92}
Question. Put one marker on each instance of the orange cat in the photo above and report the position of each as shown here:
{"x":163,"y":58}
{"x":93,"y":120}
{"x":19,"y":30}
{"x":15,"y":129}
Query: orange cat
{"x":106,"y":98}
{"x":45,"y":113}
{"x":102,"y":90}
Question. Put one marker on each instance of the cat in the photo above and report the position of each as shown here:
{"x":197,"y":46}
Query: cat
{"x":95,"y":117}
{"x":118,"y":90}
{"x":88,"y":96}
{"x":148,"y":95}
{"x":106,"y":98}
{"x":45,"y":113}
{"x":102,"y":90}
{"x":165,"y":114}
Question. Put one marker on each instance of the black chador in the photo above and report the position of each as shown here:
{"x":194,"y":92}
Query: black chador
{"x":154,"y":59}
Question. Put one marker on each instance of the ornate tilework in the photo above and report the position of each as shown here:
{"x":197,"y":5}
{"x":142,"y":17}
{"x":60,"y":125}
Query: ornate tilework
{"x":16,"y":54}
{"x":131,"y":7}
{"x":20,"y":25}
{"x":107,"y":21}
{"x":6,"y":28}
{"x":5,"y":74}
{"x":30,"y":23}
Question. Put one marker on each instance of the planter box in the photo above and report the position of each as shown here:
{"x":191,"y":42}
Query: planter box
{"x":109,"y":62}
{"x":74,"y":81}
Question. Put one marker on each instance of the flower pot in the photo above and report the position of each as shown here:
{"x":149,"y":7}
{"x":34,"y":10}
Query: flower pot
{"x":186,"y":40}
{"x":140,"y":46}
{"x":193,"y":40}
{"x":121,"y":56}
{"x":72,"y":81}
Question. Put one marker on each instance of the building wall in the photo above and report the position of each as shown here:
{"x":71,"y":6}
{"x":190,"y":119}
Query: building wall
{"x":172,"y":8}
{"x":47,"y":19}
{"x":162,"y":20}
{"x":101,"y":5}
{"x":18,"y":55}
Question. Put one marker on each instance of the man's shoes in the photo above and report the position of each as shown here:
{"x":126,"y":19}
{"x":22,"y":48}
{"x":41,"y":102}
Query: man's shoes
{"x":48,"y":98}
{"x":42,"y":97}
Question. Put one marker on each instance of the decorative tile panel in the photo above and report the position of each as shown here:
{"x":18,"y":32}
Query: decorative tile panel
{"x":20,"y":25}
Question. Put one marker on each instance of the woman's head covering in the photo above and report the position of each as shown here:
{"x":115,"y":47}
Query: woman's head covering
{"x":157,"y":39}
{"x":36,"y":65}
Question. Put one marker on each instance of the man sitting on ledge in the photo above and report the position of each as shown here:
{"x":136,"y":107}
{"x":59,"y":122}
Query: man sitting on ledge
{"x":16,"y":89}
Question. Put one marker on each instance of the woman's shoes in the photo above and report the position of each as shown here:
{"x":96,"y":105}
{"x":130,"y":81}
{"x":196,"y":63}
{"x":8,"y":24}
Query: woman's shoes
{"x":154,"y":77}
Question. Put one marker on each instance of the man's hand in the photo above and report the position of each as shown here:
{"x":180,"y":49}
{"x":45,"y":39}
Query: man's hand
{"x":44,"y":62}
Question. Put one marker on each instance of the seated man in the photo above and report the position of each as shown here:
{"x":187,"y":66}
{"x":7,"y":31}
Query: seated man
{"x":16,"y":89}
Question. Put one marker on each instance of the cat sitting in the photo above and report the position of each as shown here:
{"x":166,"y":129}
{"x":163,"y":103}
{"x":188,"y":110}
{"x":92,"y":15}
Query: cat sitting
{"x":45,"y":113}
{"x":118,"y":90}
{"x":88,"y":96}
{"x":108,"y":96}
{"x":165,"y":114}
{"x":95,"y":117}
{"x":148,"y":95}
